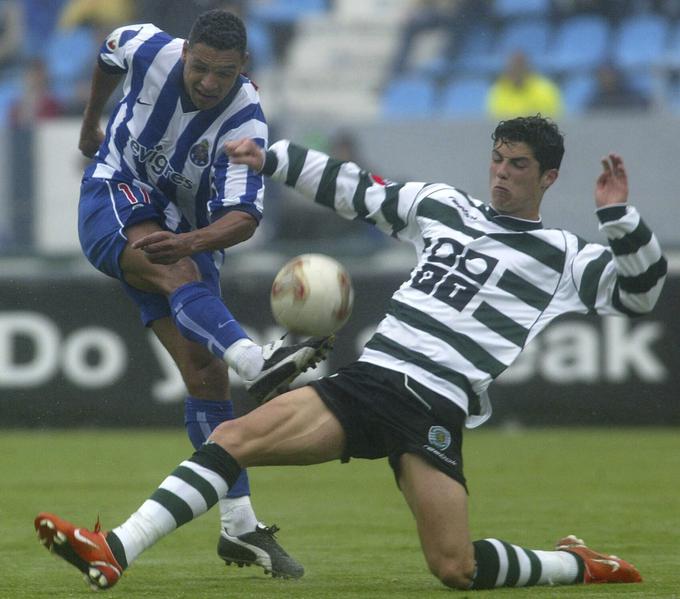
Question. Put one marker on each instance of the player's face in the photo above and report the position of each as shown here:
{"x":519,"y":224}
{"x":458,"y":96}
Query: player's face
{"x":516,"y":182}
{"x":209,"y":73}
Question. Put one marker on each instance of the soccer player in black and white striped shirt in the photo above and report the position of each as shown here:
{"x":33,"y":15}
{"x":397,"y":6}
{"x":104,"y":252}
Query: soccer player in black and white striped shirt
{"x":488,"y":279}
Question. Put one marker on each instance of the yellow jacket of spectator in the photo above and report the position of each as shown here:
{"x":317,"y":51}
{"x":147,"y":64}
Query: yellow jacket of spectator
{"x":536,"y":94}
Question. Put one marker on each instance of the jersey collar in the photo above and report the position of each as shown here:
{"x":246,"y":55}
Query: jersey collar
{"x":511,"y":222}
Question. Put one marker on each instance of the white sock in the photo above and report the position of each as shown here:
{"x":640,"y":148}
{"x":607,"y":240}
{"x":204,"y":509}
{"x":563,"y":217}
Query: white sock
{"x":141,"y":530}
{"x":179,"y":498}
{"x":558,"y":567}
{"x":245,"y":357}
{"x":237,"y":515}
{"x":501,"y":564}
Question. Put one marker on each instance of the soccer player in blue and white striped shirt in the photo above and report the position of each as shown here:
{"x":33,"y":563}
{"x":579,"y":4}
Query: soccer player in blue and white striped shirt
{"x":489,"y":278}
{"x":161,"y":201}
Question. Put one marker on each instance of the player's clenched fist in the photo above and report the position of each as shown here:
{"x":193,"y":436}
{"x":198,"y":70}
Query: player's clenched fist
{"x":245,"y":151}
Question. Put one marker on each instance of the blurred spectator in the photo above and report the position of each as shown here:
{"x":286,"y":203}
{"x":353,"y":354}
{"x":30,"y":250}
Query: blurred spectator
{"x":99,"y":14}
{"x":36,"y":101}
{"x":520,"y":91}
{"x":82,"y":26}
{"x":614,"y":91}
{"x":11,"y":26}
{"x":176,"y":16}
{"x":40,"y":20}
{"x":343,"y":145}
{"x":454,"y":17}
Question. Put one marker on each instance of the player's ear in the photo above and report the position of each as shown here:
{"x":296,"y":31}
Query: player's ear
{"x":549,"y":177}
{"x":185,"y":50}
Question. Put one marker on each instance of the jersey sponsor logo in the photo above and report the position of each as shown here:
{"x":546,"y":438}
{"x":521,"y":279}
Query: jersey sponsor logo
{"x":453,"y":273}
{"x":159,"y":163}
{"x":462,"y":207}
{"x":200,"y":153}
{"x":439,"y":437}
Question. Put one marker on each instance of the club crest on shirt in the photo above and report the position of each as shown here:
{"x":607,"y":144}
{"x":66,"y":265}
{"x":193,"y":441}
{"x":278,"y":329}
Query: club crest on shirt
{"x":439,"y":437}
{"x":200,"y":153}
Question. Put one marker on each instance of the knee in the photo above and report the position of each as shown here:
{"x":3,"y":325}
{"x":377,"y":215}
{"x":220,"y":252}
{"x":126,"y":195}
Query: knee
{"x":210,"y":381}
{"x":454,"y":573}
{"x":182,"y":272}
{"x":230,"y":436}
{"x":173,"y":276}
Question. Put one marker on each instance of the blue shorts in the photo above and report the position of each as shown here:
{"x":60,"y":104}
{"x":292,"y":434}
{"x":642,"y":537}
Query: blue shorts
{"x":106,"y":209}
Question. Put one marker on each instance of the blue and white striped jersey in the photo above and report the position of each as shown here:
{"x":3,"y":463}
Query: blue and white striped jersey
{"x":485,"y":284}
{"x":158,"y":140}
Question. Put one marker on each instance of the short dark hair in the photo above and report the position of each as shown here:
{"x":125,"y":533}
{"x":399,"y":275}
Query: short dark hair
{"x":219,"y":29}
{"x":540,"y":134}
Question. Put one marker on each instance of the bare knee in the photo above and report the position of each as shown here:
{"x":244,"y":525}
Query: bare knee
{"x":209,"y":381}
{"x":453,"y":572}
{"x":231,"y":436}
{"x":173,"y":276}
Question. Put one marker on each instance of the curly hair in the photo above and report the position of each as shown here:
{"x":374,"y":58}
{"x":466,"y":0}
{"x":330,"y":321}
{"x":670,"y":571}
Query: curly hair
{"x":540,"y":134}
{"x":219,"y":29}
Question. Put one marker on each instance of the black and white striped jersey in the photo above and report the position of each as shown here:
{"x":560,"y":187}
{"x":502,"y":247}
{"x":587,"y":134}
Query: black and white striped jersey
{"x":485,"y":284}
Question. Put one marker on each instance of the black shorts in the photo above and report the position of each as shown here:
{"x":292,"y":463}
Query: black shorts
{"x":384,"y":413}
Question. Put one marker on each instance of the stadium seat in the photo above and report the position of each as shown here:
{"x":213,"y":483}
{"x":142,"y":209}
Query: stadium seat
{"x":511,"y":9}
{"x":260,"y":44}
{"x":69,"y":60}
{"x":577,"y":90}
{"x":285,"y":11}
{"x":673,"y":98}
{"x":476,"y":52}
{"x":671,"y":57}
{"x":408,"y":97}
{"x":530,"y":36}
{"x":465,"y":97}
{"x":580,"y":42}
{"x":640,"y":42}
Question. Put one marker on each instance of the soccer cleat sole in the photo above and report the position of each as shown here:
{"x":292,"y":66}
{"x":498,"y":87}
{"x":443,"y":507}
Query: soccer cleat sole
{"x":293,"y":372}
{"x":247,"y":564}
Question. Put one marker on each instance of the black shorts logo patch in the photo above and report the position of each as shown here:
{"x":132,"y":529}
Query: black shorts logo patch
{"x":200,"y":153}
{"x":439,"y":437}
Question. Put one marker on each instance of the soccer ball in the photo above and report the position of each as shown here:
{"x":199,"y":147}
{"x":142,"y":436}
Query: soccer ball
{"x":312,"y":295}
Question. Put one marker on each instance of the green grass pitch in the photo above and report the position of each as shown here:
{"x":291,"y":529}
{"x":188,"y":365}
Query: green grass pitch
{"x":618,"y":489}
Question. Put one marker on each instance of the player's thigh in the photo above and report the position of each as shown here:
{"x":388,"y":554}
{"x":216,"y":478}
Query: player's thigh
{"x":439,"y":504}
{"x":205,"y":375}
{"x":141,"y":273}
{"x":295,"y":428}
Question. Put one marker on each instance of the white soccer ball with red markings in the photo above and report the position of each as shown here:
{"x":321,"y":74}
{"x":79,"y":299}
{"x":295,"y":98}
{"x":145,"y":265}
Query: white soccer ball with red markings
{"x":312,"y":294}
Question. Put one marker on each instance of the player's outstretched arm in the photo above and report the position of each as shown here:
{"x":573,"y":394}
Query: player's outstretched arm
{"x":352,"y":192}
{"x":611,"y":186}
{"x":626,"y":278}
